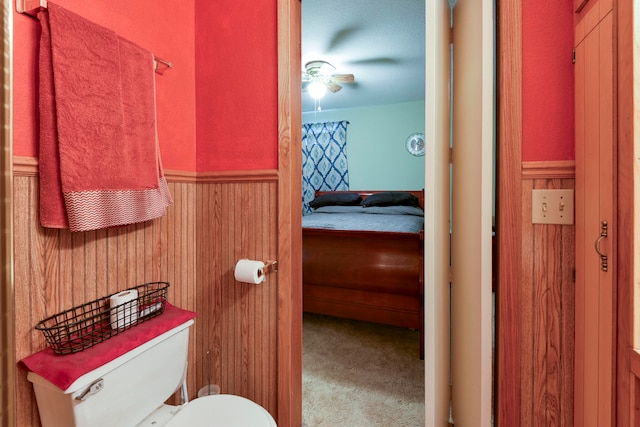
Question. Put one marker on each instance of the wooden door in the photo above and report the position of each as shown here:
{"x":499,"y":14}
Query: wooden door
{"x":595,"y":222}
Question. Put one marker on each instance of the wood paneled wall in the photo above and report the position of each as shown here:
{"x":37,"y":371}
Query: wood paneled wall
{"x":56,"y":269}
{"x":535,"y":289}
{"x":546,"y":308}
{"x":194,"y":247}
{"x":238,"y":321}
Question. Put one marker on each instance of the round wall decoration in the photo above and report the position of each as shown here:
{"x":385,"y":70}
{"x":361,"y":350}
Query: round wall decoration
{"x":415,"y":144}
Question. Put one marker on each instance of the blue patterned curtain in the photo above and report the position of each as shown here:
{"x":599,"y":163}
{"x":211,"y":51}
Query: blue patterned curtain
{"x":324,"y":159}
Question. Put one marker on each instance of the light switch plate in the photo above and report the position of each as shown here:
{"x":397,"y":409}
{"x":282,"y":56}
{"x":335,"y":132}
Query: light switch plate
{"x":552,"y":207}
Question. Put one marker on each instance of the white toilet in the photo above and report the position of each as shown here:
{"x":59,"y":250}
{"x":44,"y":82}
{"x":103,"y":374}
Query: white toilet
{"x":131,"y":390}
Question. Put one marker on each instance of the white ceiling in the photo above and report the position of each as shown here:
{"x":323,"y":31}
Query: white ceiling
{"x":380,"y":42}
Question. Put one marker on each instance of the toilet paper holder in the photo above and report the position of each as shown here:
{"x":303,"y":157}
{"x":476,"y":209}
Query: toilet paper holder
{"x":270,"y":266}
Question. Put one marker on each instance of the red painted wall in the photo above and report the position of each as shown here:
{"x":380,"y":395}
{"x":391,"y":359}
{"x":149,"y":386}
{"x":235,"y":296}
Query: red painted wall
{"x":165,"y":27}
{"x":547,"y":81}
{"x":236,"y":78}
{"x":217,"y":108}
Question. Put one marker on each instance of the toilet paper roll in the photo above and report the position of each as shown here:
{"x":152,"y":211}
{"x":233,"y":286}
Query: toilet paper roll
{"x":249,"y":271}
{"x":124,"y":309}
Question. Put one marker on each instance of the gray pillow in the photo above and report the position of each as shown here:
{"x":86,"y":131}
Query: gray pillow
{"x":391,"y":198}
{"x":336,"y":199}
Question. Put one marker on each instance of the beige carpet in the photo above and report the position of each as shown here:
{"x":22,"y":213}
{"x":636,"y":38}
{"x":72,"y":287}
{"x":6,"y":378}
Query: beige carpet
{"x":360,"y":374}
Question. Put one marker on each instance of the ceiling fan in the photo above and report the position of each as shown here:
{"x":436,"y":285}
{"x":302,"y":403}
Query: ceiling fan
{"x":319,"y":76}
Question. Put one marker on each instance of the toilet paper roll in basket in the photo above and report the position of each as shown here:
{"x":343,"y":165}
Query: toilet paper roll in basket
{"x":249,"y":271}
{"x":124,"y":309}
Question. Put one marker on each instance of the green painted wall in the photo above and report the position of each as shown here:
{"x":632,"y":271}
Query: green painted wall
{"x":378,"y":159}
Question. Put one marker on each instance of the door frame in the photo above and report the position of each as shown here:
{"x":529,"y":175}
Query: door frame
{"x":509,"y":212}
{"x":7,"y":332}
{"x":289,"y":310}
{"x":289,"y":217}
{"x":628,"y":360}
{"x":289,"y":190}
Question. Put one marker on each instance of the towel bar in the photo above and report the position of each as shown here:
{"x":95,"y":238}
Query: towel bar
{"x":30,"y":8}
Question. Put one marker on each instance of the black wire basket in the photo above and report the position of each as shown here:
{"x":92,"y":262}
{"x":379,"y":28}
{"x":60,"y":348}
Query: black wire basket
{"x":86,"y":325}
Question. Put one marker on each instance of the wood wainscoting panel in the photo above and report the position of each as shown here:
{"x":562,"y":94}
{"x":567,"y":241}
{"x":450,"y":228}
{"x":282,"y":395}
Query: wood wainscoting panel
{"x":237,"y":323}
{"x":212,"y":223}
{"x":56,"y":270}
{"x":546,"y":313}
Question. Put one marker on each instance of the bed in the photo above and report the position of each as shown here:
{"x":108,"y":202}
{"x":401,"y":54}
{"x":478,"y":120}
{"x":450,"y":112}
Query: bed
{"x":368,"y":273}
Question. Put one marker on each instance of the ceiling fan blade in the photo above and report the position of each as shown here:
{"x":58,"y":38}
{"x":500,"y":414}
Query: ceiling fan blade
{"x":342,"y":78}
{"x":341,"y":38}
{"x":374,"y":61}
{"x":333,"y":87}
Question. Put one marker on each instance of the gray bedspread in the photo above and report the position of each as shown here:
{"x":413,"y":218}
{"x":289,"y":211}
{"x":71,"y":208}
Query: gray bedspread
{"x":407,"y":219}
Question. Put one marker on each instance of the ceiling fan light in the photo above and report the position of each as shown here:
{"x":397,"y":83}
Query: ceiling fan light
{"x":316,"y":90}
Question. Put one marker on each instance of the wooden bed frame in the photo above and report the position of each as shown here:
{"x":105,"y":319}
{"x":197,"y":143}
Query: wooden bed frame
{"x":365,"y":275}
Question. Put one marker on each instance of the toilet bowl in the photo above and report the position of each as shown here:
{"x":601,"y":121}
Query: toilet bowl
{"x":222,"y":410}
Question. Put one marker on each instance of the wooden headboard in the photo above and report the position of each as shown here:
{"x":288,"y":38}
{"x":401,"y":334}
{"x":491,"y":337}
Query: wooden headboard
{"x":364,"y":193}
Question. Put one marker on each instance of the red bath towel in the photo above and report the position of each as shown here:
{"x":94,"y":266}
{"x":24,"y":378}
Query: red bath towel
{"x":99,"y":157}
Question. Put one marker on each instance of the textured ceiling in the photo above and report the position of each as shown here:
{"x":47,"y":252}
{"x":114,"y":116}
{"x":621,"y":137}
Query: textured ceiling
{"x":381,"y":42}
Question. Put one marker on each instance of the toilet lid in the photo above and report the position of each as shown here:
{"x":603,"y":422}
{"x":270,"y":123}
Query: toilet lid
{"x":222,"y":410}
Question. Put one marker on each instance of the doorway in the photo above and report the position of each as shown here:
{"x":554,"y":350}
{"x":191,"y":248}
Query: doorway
{"x":472,"y":384}
{"x":370,"y":162}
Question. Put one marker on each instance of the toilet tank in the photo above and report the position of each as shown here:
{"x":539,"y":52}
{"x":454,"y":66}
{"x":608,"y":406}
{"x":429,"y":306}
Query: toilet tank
{"x":122,"y":392}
